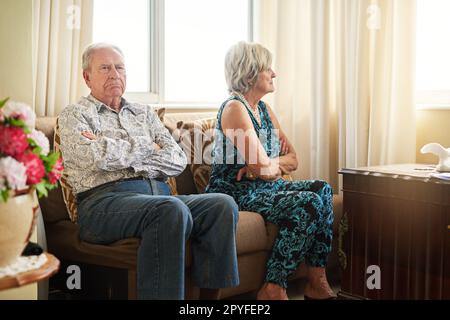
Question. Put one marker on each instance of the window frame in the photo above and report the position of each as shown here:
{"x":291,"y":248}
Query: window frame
{"x":156,"y":95}
{"x":433,"y":100}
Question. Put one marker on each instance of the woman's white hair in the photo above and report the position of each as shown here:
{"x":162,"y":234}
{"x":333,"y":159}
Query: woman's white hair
{"x":86,"y":59}
{"x":243,"y":62}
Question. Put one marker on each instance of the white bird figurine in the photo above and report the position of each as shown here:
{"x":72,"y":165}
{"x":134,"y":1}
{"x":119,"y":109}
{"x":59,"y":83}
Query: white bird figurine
{"x":441,"y":152}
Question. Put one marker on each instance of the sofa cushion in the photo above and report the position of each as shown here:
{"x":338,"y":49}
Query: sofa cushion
{"x":63,"y":241}
{"x":251,"y":235}
{"x":53,"y":207}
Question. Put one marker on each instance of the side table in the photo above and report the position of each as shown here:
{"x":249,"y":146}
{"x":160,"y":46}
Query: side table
{"x":28,"y":277}
{"x":397,"y":219}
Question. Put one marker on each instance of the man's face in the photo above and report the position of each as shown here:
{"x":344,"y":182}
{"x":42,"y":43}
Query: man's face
{"x":106,"y":76}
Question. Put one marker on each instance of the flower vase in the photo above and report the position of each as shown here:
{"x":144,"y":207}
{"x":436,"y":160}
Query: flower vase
{"x":17,"y":222}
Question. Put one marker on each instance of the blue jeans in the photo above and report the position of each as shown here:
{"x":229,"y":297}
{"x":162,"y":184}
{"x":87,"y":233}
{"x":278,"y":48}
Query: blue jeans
{"x":145,"y":209}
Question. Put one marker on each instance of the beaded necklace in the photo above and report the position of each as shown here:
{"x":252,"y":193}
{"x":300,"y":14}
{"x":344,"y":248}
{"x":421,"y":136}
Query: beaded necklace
{"x":254,"y":112}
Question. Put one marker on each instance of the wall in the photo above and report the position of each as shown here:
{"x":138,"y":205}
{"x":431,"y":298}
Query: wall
{"x":432,"y":126}
{"x":16,"y":79}
{"x":16,"y":47}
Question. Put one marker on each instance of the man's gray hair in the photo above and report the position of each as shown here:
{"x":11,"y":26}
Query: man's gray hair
{"x":86,"y":60}
{"x":243,"y":62}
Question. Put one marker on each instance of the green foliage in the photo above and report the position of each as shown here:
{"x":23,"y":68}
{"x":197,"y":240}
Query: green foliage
{"x":4,"y":195}
{"x":41,"y":189}
{"x":3,"y":102}
{"x":50,"y":160}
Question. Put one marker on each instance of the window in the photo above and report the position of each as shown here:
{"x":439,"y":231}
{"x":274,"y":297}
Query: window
{"x":174,"y":49}
{"x":433,"y":54}
{"x":114,"y":21}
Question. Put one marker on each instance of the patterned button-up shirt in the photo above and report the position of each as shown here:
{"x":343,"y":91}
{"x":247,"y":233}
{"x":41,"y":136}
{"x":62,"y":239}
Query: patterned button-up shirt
{"x":123,"y":147}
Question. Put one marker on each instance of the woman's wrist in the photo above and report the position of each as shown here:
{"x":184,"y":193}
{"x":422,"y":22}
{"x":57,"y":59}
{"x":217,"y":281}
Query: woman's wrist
{"x":249,"y":175}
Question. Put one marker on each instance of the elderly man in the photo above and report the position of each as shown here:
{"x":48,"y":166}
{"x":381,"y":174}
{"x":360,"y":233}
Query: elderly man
{"x":117,"y":156}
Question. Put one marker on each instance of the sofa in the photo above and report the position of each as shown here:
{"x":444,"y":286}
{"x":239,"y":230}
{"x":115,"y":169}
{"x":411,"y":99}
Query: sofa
{"x":109,"y":271}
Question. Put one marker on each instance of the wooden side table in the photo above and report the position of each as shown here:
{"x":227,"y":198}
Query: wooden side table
{"x":24,"y":278}
{"x":397,"y":218}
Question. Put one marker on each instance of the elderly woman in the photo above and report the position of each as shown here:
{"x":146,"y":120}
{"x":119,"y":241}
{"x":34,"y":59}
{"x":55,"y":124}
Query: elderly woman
{"x":250,"y":155}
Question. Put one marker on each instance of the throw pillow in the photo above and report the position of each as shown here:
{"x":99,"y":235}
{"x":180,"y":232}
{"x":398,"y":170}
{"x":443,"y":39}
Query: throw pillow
{"x":196,"y":139}
{"x":66,"y":188}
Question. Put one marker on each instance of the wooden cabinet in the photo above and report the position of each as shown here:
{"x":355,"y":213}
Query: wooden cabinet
{"x":397,"y":218}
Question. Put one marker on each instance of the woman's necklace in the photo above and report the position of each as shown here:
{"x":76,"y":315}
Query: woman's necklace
{"x":255,"y":112}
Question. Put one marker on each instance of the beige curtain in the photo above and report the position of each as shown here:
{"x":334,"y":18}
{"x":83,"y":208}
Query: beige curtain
{"x":61,"y":30}
{"x":345,"y":83}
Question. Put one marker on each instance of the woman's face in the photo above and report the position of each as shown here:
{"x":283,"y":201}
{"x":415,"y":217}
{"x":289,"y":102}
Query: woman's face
{"x":264,"y":82}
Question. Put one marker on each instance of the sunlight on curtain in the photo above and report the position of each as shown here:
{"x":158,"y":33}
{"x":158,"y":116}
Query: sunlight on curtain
{"x":61,"y":31}
{"x":345,"y":86}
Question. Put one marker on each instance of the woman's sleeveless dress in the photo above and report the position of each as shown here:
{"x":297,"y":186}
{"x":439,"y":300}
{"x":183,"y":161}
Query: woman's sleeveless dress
{"x":303,"y":210}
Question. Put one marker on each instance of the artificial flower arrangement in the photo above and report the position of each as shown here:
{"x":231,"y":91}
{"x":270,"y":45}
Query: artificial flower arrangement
{"x":26,"y":161}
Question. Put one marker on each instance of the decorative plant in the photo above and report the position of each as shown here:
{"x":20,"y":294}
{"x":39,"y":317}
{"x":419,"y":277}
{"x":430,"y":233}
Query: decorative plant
{"x":25,"y":158}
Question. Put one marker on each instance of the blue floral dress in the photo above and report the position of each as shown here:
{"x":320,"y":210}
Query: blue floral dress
{"x":303,"y":210}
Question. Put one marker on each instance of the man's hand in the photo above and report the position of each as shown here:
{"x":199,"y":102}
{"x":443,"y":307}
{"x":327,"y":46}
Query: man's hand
{"x":89,"y":135}
{"x":156,"y":146}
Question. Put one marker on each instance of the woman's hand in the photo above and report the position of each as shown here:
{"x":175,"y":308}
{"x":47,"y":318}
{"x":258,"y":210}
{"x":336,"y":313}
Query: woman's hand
{"x":245,"y":172}
{"x":249,"y":175}
{"x":241,"y":173}
{"x":284,"y":148}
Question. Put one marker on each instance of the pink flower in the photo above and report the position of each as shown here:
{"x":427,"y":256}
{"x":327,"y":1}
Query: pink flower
{"x":55,"y":174}
{"x":20,"y":111}
{"x":20,"y":168}
{"x":35,"y":167}
{"x":13,"y":172}
{"x":41,"y":140}
{"x":13,"y":141}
